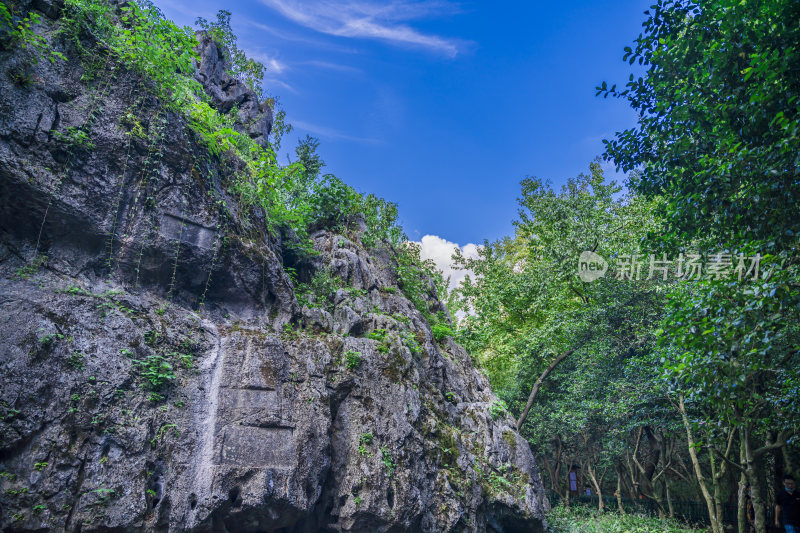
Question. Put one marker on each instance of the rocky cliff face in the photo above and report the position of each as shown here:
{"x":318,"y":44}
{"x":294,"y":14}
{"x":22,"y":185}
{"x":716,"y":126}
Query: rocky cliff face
{"x":156,"y":370}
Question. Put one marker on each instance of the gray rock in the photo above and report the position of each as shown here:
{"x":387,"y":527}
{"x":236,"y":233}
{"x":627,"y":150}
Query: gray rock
{"x":227,"y":92}
{"x":317,"y":320}
{"x":345,"y":320}
{"x":51,"y":8}
{"x":158,"y":374}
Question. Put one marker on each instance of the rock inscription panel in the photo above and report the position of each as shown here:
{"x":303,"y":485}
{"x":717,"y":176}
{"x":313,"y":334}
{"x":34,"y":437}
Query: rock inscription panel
{"x":257,"y":447}
{"x":187,"y":231}
{"x":250,"y":429}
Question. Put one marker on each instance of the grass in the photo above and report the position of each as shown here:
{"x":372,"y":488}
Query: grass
{"x":581,"y":519}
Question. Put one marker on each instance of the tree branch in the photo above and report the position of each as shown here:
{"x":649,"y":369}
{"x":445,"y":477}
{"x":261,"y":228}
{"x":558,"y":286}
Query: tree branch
{"x":725,"y":458}
{"x":538,"y":385}
{"x":780,"y":442}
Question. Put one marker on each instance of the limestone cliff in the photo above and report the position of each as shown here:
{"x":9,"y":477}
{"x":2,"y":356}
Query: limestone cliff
{"x":157,"y":372}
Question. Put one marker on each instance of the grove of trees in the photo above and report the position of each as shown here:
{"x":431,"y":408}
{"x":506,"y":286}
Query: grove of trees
{"x":659,"y":381}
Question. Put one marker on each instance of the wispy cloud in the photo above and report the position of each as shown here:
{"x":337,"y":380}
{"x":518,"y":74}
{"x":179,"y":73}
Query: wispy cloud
{"x":331,"y":66}
{"x":370,"y":20}
{"x":272,"y":63}
{"x":331,"y":133}
{"x":276,"y":69}
{"x":293,"y":37}
{"x":270,"y":81}
{"x":179,"y":12}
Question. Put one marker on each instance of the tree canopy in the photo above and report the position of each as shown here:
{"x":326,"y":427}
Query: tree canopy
{"x":631,"y":369}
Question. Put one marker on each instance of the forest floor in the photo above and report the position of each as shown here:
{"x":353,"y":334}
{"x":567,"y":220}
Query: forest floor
{"x":582,"y":519}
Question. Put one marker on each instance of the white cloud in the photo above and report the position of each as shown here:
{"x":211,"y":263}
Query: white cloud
{"x":441,"y":251}
{"x":369,"y":20}
{"x":290,"y":36}
{"x":331,"y":66}
{"x":276,"y":66}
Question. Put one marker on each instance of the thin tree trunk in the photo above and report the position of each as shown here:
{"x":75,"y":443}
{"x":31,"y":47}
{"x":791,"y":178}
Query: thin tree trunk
{"x":718,"y":500}
{"x":554,"y":480}
{"x":538,"y":384}
{"x":716,"y":527}
{"x":619,"y":493}
{"x":754,"y":476}
{"x":741,"y":506}
{"x":669,"y":498}
{"x":779,"y":466}
{"x":716,"y":476}
{"x":787,"y":461}
{"x":597,"y":482}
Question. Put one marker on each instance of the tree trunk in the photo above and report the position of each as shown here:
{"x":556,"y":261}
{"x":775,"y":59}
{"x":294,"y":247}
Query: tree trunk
{"x":538,"y":385}
{"x":788,"y":466}
{"x":568,"y":492}
{"x":597,"y":482}
{"x":716,"y":478}
{"x":741,"y":506}
{"x":779,"y":465}
{"x":716,"y":525}
{"x":754,"y":476}
{"x":669,"y":498}
{"x":619,"y":493}
{"x":718,"y":500}
{"x":554,"y":480}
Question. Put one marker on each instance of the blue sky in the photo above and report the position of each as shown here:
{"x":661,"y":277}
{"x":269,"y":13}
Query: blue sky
{"x":441,"y":107}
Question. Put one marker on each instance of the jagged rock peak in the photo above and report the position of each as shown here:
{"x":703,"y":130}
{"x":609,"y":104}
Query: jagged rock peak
{"x":227,"y":92}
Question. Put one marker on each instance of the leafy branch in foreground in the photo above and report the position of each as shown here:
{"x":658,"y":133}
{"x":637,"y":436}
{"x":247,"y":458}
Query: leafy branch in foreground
{"x":16,"y":30}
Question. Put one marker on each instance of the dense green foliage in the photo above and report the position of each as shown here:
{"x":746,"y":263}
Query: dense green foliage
{"x":580,"y":519}
{"x":527,"y":306}
{"x":717,"y":142}
{"x":526,"y":302}
{"x":719,"y":120}
{"x":319,"y":291}
{"x":665,"y":387}
{"x":16,"y":31}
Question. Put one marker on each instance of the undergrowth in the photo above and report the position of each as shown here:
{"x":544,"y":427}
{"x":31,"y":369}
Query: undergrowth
{"x":319,"y":291}
{"x":582,"y":519}
{"x":17,"y":31}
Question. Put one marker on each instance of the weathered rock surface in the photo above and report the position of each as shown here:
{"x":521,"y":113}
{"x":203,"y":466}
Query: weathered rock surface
{"x":261,"y":421}
{"x":227,"y":92}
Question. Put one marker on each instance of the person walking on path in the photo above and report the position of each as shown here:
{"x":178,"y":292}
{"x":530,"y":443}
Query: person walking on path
{"x":787,"y":506}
